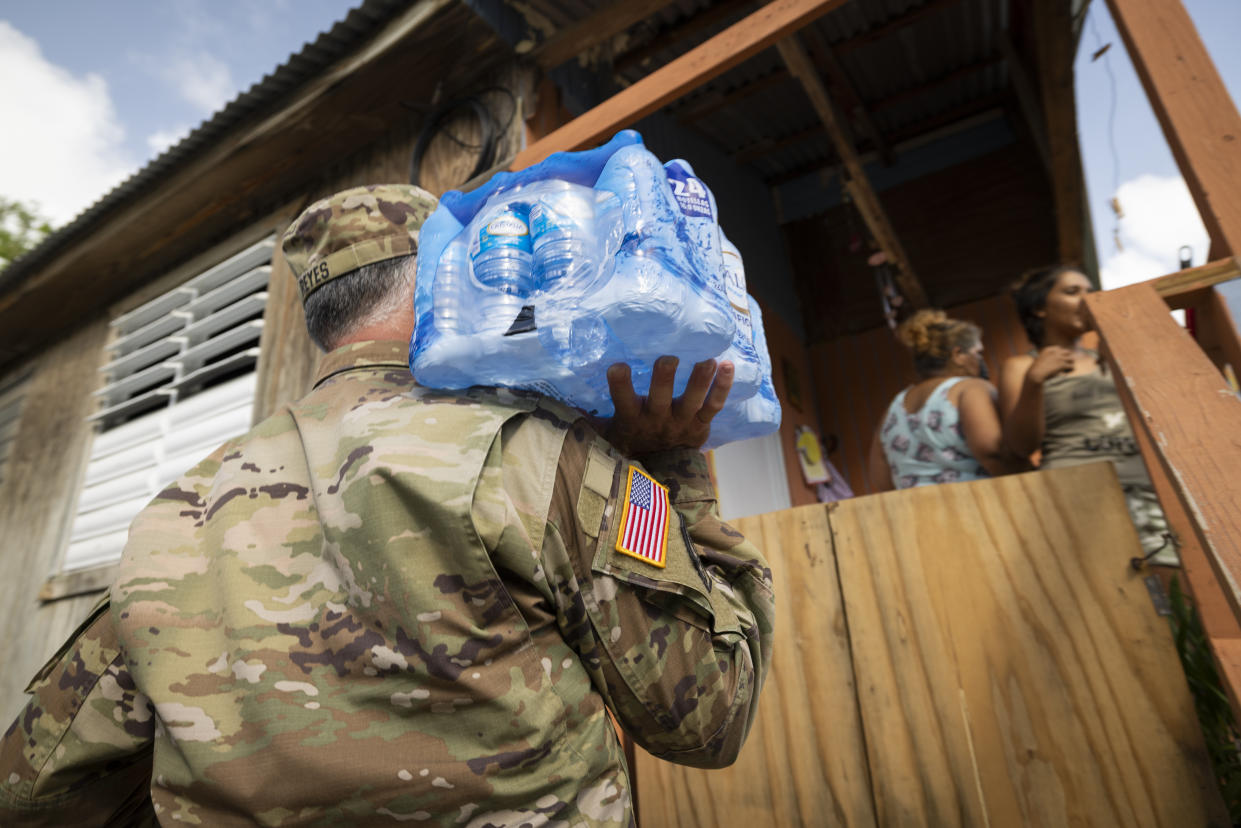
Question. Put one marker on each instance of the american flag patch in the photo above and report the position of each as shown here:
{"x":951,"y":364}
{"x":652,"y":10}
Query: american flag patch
{"x":644,"y":525}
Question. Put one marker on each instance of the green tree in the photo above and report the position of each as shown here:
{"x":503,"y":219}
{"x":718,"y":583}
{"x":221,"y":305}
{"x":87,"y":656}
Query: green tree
{"x":21,"y":228}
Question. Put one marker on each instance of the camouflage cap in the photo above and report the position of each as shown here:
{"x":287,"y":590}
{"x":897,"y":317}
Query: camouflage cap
{"x":360,"y":226}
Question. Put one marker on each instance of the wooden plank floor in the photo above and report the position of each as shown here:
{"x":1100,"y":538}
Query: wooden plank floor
{"x":804,"y":762}
{"x":996,"y":663}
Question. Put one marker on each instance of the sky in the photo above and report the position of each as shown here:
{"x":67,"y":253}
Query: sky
{"x":97,"y":89}
{"x":1124,"y":152}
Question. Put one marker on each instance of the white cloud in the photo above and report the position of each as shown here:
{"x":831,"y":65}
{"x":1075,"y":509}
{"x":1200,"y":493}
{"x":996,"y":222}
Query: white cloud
{"x":200,"y":78}
{"x":62,"y":142}
{"x":1159,"y":217}
{"x":162,"y":139}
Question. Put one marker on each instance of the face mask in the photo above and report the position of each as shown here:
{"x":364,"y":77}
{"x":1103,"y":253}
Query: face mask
{"x":983,"y":371}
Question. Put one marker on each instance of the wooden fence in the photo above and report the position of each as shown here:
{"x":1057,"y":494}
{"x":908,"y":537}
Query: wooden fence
{"x":966,"y":654}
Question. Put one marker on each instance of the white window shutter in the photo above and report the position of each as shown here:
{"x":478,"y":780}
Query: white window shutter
{"x":180,"y":381}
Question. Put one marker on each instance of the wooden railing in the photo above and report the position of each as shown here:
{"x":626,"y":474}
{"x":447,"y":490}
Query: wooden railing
{"x":1188,"y":423}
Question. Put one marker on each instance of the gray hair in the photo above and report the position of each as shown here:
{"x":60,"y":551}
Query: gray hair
{"x":368,"y":294}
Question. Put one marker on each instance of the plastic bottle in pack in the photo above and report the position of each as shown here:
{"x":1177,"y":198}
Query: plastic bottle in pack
{"x":502,"y":264}
{"x":747,"y":373}
{"x":658,"y":301}
{"x":758,"y":415}
{"x":573,"y":248}
{"x":451,"y":276}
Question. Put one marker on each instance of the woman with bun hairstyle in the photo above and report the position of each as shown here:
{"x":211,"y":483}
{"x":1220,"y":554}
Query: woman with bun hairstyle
{"x":1060,"y":400}
{"x":945,"y":427}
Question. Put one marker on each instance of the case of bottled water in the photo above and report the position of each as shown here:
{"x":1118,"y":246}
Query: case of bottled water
{"x":542,"y":279}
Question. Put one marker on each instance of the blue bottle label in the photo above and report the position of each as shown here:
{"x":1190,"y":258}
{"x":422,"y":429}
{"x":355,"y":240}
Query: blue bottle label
{"x":505,"y":230}
{"x":690,"y":193}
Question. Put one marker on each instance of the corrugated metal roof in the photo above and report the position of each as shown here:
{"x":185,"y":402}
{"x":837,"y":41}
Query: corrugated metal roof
{"x":934,"y":56}
{"x":344,"y":37}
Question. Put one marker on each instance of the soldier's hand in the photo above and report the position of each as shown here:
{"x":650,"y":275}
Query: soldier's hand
{"x":657,"y":421}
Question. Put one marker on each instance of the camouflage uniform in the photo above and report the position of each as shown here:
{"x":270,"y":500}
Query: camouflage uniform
{"x":387,"y":603}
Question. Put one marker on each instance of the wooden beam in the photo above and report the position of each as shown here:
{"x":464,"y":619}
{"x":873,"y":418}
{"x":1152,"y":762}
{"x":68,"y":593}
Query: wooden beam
{"x":1055,"y":46}
{"x":730,"y":47}
{"x":1222,"y":628}
{"x":1027,"y":97}
{"x":597,"y":27}
{"x":1199,"y":118}
{"x":825,"y":56}
{"x":766,"y":146}
{"x":946,"y":123}
{"x":859,"y":188}
{"x":1187,"y":288}
{"x":894,"y":25}
{"x":719,"y":100}
{"x":922,"y":89}
{"x":717,"y":13}
{"x":1192,"y":417}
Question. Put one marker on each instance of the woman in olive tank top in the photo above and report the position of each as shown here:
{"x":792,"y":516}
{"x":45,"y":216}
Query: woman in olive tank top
{"x":1060,"y":400}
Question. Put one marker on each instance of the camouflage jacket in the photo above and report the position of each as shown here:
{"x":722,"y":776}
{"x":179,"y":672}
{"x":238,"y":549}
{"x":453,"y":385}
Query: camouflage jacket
{"x":388,"y":603}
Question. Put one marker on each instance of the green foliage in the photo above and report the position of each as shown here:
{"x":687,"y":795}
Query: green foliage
{"x":21,"y":228}
{"x":1219,"y":729}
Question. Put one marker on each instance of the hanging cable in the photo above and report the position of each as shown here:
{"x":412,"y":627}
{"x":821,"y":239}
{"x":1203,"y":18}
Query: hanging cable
{"x":1101,"y":51}
{"x":490,"y":131}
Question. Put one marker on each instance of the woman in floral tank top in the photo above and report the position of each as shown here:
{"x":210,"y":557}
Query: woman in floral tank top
{"x":945,"y":427}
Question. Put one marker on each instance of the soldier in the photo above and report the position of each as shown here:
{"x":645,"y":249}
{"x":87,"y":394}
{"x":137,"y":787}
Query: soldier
{"x":390,"y":603}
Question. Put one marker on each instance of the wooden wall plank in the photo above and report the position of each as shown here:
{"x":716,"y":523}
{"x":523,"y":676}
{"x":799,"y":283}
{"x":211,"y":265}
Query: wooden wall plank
{"x":787,"y":351}
{"x":725,"y":50}
{"x":1015,"y":672}
{"x":857,"y":376}
{"x":1199,"y":118}
{"x":1192,"y":415}
{"x":37,"y":502}
{"x":804,"y":762}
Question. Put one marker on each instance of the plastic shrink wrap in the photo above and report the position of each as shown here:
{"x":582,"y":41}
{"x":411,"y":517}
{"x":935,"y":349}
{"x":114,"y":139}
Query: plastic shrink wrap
{"x":543,"y":278}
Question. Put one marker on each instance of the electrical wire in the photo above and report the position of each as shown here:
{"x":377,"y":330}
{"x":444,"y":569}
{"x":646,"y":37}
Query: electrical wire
{"x":490,"y":129}
{"x":1102,"y":51}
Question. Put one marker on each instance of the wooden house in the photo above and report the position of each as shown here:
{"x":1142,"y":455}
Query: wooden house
{"x":940,"y":132}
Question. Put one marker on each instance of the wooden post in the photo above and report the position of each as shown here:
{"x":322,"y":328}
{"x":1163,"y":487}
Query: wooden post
{"x":1198,"y":117}
{"x":1053,"y":35}
{"x":859,"y":188}
{"x":730,"y":47}
{"x":1194,"y":420}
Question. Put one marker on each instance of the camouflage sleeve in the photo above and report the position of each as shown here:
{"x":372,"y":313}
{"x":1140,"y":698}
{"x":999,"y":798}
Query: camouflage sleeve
{"x":80,"y":751}
{"x":679,"y":651}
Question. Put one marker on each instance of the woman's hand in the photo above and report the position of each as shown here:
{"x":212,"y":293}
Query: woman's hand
{"x":1050,"y":362}
{"x":657,"y":422}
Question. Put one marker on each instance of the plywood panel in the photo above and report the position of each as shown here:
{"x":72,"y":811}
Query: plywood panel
{"x":1012,"y":667}
{"x":804,"y":762}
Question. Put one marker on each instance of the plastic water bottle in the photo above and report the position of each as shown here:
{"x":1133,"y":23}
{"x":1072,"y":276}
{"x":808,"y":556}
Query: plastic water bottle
{"x":758,"y":415}
{"x":748,"y":373}
{"x":502,"y":262}
{"x":563,"y":236}
{"x":658,"y":301}
{"x":450,"y":280}
{"x":702,"y":230}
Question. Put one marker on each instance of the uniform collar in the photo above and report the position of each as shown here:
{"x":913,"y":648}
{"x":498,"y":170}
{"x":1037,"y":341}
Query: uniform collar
{"x":367,"y":354}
